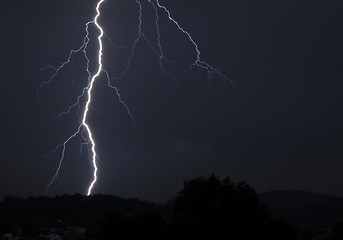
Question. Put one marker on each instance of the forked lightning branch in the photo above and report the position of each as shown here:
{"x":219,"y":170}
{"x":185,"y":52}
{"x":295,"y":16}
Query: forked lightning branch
{"x":84,"y":129}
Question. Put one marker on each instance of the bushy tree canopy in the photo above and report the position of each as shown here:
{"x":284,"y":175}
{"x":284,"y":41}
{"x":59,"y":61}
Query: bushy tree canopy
{"x":211,"y":208}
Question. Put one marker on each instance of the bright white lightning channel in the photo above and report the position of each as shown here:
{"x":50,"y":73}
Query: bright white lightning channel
{"x":84,"y":128}
{"x":88,"y":89}
{"x":84,"y":120}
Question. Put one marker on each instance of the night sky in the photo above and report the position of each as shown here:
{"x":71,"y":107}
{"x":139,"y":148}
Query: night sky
{"x":280,"y":127}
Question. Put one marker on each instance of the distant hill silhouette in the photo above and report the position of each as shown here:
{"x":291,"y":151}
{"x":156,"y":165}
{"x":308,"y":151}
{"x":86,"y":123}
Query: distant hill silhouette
{"x":73,"y":210}
{"x":305,"y":209}
{"x":205,"y":208}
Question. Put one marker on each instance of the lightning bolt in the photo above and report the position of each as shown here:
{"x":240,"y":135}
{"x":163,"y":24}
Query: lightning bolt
{"x":86,"y":95}
{"x":198,"y":62}
{"x":86,"y":91}
{"x":84,"y":119}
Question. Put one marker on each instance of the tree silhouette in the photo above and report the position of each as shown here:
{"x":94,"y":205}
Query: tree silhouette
{"x":142,"y":226}
{"x":338,"y":230}
{"x":208,"y":208}
{"x":280,"y":229}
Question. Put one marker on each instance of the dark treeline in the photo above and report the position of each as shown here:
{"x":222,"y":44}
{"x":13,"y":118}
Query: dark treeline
{"x":72,"y":210}
{"x":311,"y":210}
{"x":206,"y":208}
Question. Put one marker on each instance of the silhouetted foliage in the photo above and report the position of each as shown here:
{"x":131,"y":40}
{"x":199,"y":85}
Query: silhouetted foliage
{"x":146,"y":226}
{"x":280,"y":229}
{"x":306,"y":234}
{"x":214,"y":209}
{"x":66,"y":210}
{"x":338,"y":230}
{"x":7,"y":228}
{"x":206,"y":208}
{"x":30,"y":229}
